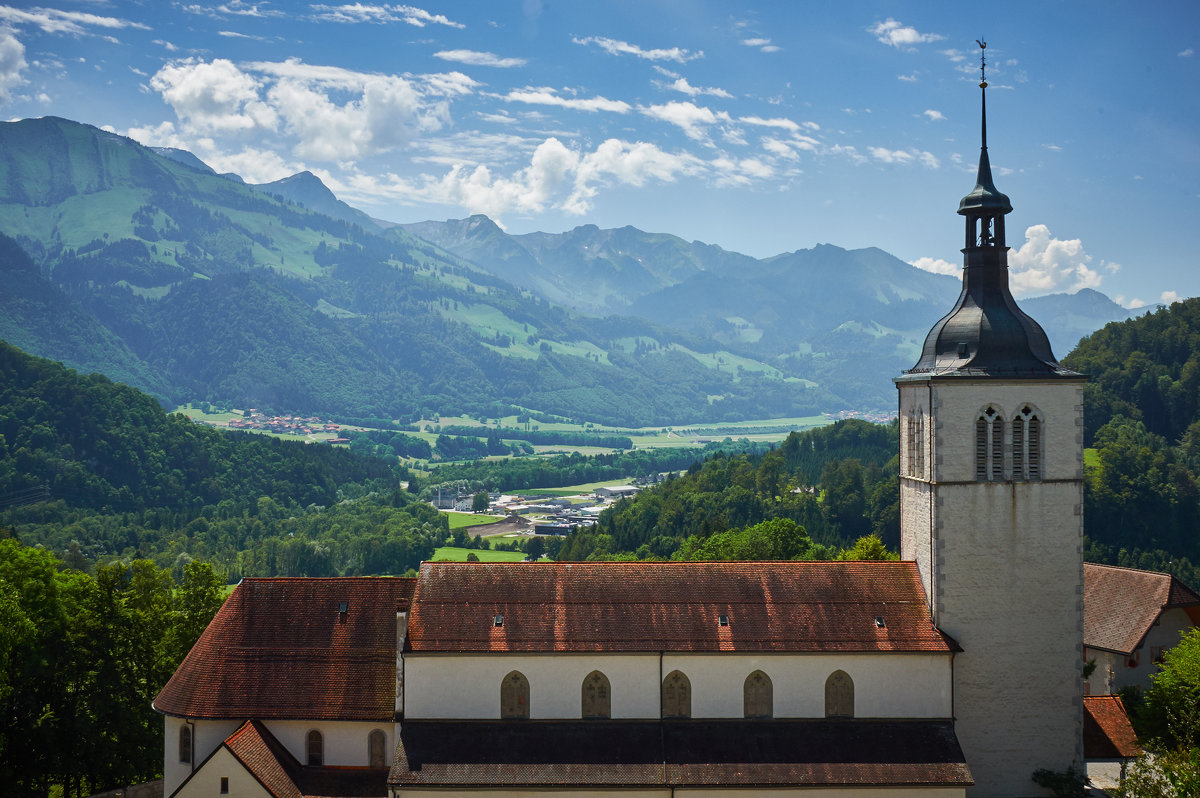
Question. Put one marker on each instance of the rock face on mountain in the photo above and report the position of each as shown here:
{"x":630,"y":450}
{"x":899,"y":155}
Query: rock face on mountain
{"x":193,"y":285}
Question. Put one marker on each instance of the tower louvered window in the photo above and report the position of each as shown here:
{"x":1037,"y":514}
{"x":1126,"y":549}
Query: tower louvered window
{"x":920,"y":444}
{"x":911,"y":437}
{"x":981,"y":449}
{"x":989,"y":446}
{"x":1027,"y":445}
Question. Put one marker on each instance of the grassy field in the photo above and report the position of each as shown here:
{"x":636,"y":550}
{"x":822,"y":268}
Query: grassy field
{"x":572,"y":490}
{"x":454,"y":554}
{"x":460,"y":520}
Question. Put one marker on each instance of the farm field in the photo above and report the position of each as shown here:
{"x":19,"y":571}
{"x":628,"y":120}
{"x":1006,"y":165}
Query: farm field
{"x":455,"y":554}
{"x":574,"y":490}
{"x":460,"y":520}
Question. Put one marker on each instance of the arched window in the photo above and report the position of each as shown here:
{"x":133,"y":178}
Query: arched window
{"x":596,"y":701}
{"x":185,"y":744}
{"x":676,"y":696}
{"x":757,"y":696}
{"x":839,"y":695}
{"x":514,"y":696}
{"x":919,"y":449}
{"x":377,"y":749}
{"x":989,"y":446}
{"x":911,"y":438}
{"x":316,"y":749}
{"x":1027,"y":445}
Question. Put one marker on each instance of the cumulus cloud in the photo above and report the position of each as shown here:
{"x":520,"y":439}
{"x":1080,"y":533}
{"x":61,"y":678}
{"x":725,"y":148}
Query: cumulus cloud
{"x":1188,"y":53}
{"x":381,"y":14}
{"x":1169,"y":297}
{"x":932,"y":115}
{"x":234,"y":8}
{"x":937,"y":266}
{"x":335,"y":114}
{"x":762,"y":44}
{"x":692,"y":119}
{"x":904,"y":157}
{"x":1044,"y":264}
{"x":546,"y":96}
{"x":681,"y":84}
{"x":12,"y":63}
{"x":52,"y":20}
{"x":475,"y":58}
{"x":897,"y":34}
{"x":617,"y":47}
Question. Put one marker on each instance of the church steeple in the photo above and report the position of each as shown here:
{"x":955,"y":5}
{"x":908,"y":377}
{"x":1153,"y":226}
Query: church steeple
{"x":986,"y":334}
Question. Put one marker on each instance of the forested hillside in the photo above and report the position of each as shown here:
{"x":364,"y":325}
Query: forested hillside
{"x":95,"y":470}
{"x":1142,"y":416}
{"x":816,"y":494}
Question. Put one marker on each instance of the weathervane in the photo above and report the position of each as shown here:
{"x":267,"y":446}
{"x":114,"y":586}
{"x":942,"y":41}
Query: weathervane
{"x":982,"y":63}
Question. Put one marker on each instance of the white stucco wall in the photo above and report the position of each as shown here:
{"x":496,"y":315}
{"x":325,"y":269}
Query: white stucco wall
{"x":805,"y":792}
{"x":207,"y":736}
{"x":1005,"y":562}
{"x":345,"y":742}
{"x":207,"y":781}
{"x":885,"y":685}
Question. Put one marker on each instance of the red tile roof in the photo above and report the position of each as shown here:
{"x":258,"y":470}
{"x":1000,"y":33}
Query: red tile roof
{"x":1107,"y":733}
{"x":1121,"y":604}
{"x":767,"y":753}
{"x":280,"y":648}
{"x":772,"y":606}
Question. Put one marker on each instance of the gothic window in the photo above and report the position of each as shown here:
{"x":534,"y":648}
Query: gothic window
{"x":757,"y":695}
{"x":989,"y":446}
{"x":839,"y":695}
{"x":597,"y":696}
{"x":911,"y":436}
{"x":377,"y":749}
{"x":676,"y":696}
{"x":1027,"y":445}
{"x":316,"y":749}
{"x":514,"y":696}
{"x":185,"y":744}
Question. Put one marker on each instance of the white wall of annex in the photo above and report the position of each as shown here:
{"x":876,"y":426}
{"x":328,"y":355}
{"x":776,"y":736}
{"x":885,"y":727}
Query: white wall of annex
{"x":207,"y":782}
{"x":207,"y":736}
{"x":885,"y":685}
{"x":701,"y":792}
{"x":345,"y":741}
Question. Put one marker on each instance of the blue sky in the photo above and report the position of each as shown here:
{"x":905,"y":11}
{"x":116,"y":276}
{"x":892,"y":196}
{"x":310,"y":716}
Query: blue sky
{"x":761,"y":127}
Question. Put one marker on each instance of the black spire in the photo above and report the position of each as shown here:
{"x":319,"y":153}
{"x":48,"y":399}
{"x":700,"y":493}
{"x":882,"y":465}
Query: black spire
{"x":986,"y":334}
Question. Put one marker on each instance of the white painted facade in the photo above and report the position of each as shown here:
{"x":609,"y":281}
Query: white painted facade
{"x":345,"y":743}
{"x":1002,"y":565}
{"x":207,"y":783}
{"x":886,"y":685}
{"x":1114,"y":670}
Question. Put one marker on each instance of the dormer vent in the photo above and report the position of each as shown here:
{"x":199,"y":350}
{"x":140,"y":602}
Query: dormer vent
{"x":722,"y":620}
{"x":498,"y":620}
{"x":344,"y":607}
{"x":879,"y":622}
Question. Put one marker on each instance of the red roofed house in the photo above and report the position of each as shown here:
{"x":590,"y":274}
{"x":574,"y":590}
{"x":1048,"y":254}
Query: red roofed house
{"x":1130,"y":618}
{"x":955,"y":672}
{"x":1108,"y":740}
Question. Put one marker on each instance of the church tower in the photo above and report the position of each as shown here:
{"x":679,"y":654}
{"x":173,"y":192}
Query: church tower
{"x":991,"y":508}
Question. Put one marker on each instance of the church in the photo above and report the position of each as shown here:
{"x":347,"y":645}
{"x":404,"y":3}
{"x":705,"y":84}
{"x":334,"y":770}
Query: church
{"x":954,"y":672}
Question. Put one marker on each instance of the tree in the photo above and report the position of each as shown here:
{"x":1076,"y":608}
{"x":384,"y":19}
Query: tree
{"x":534,"y":549}
{"x":479,"y":504}
{"x":1170,"y":714}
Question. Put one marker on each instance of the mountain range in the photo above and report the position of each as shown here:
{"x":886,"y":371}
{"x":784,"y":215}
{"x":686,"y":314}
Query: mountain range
{"x":150,"y":267}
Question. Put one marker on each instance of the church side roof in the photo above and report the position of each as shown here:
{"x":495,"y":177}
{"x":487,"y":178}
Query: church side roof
{"x":1121,"y":604}
{"x":281,"y":648}
{"x":630,"y":607}
{"x":701,"y":753}
{"x":266,"y":759}
{"x":1107,"y":732}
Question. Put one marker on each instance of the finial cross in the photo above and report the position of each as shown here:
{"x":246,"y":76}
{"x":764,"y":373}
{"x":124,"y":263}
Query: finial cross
{"x":982,"y":63}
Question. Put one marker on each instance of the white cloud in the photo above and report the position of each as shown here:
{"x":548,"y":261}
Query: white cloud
{"x":475,"y":58}
{"x":755,"y":42}
{"x":381,"y":14}
{"x":681,"y":85}
{"x":12,"y":63}
{"x":779,"y":122}
{"x":52,"y":20}
{"x":1044,"y":264}
{"x":908,"y":78}
{"x":897,"y":34}
{"x":692,"y":119}
{"x":547,"y":96}
{"x":937,"y":266}
{"x":1188,"y":53}
{"x":234,"y":8}
{"x":616,"y":47}
{"x":904,"y":157}
{"x":166,"y":45}
{"x":232,"y":34}
{"x":1169,"y":297}
{"x":932,"y":115}
{"x":213,"y":97}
